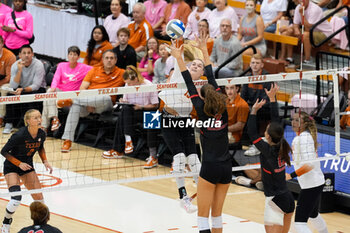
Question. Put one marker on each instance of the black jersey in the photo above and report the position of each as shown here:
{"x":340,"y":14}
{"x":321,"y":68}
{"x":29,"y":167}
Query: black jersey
{"x":214,"y":140}
{"x":22,"y":146}
{"x":40,"y":228}
{"x":272,"y":167}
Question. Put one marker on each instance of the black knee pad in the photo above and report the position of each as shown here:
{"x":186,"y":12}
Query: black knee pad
{"x":15,"y":188}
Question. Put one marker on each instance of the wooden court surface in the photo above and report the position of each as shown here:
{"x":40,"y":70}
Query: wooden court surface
{"x":240,"y":202}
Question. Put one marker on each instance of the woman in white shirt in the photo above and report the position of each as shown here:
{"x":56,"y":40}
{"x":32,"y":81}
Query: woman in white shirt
{"x":271,"y":11}
{"x":221,"y":12}
{"x":310,"y":176}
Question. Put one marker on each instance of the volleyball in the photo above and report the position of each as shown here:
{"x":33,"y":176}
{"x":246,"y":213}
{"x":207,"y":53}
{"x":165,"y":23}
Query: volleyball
{"x":175,"y":28}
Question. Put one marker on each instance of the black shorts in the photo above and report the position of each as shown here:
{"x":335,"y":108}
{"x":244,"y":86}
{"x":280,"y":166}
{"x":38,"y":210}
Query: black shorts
{"x":308,"y":204}
{"x":285,"y":202}
{"x":217,"y":172}
{"x":11,"y":168}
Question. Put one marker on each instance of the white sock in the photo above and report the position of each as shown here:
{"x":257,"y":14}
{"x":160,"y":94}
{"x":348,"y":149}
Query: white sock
{"x":203,"y":223}
{"x":127,"y":138}
{"x":319,"y":224}
{"x":180,"y":181}
{"x":301,"y":227}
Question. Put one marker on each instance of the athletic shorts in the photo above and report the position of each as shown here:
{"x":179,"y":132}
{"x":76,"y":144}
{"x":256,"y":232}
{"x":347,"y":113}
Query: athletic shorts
{"x":319,"y":37}
{"x":276,"y":207}
{"x":217,"y":172}
{"x":11,"y":168}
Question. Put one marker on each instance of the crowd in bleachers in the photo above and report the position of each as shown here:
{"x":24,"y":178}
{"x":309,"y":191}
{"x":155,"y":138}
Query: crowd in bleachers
{"x":137,"y":46}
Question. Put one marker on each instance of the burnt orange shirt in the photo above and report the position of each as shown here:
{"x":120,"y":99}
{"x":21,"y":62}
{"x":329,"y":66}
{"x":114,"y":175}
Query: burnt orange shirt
{"x":140,"y":35}
{"x":98,"y":78}
{"x":96,"y":58}
{"x":345,"y":119}
{"x":6,"y":60}
{"x":237,"y":111}
{"x":210,"y":45}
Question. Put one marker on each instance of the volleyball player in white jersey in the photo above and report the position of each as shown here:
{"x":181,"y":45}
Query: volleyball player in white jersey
{"x":310,"y":176}
{"x":181,"y":140}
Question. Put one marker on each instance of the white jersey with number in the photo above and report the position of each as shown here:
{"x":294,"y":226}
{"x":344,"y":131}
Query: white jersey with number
{"x":304,"y":149}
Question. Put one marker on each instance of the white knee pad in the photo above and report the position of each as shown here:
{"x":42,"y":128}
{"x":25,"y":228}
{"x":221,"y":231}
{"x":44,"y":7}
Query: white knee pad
{"x":12,"y":205}
{"x":216,"y":222}
{"x":301,"y":227}
{"x":194,"y":163}
{"x":319,"y":224}
{"x":203,"y":223}
{"x":179,"y":162}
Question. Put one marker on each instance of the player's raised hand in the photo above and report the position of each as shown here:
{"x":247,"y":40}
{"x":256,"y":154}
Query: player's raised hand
{"x":174,"y":51}
{"x":24,"y":166}
{"x":258,"y":104}
{"x":201,"y":41}
{"x":272,"y":92}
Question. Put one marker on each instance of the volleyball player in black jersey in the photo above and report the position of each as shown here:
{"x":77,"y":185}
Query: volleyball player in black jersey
{"x":279,"y":202}
{"x":215,"y":174}
{"x":18,"y":166}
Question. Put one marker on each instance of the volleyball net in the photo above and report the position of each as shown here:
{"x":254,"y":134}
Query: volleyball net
{"x":84,"y":165}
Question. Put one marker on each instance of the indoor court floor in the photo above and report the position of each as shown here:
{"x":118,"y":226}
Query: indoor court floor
{"x":138,"y":207}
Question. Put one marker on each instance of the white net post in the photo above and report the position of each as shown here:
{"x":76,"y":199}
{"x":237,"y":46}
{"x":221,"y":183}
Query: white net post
{"x":336,"y":111}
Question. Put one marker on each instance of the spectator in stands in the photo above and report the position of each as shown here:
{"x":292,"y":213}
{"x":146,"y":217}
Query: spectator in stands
{"x":345,"y":119}
{"x":4,"y":10}
{"x":313,"y":13}
{"x":27,"y":77}
{"x":115,"y":21}
{"x":105,"y":76}
{"x":221,"y":12}
{"x":271,"y":11}
{"x":140,"y":30}
{"x":131,"y":114}
{"x":14,"y":37}
{"x":40,"y":215}
{"x":251,"y":92}
{"x":238,"y":111}
{"x":251,"y":30}
{"x":225,"y":47}
{"x":146,"y":65}
{"x":7,"y":58}
{"x":68,"y":77}
{"x":176,"y":9}
{"x":97,"y":45}
{"x":159,"y":65}
{"x":203,"y":27}
{"x":284,"y":27}
{"x":155,"y":13}
{"x":197,"y":15}
{"x":126,"y":54}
